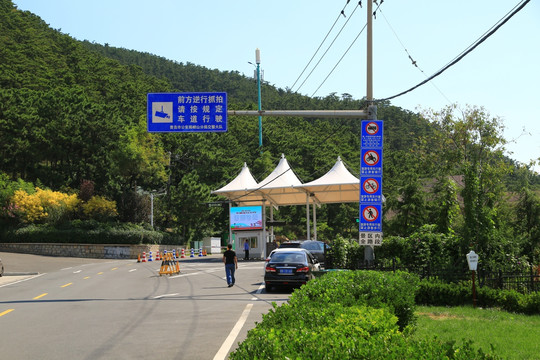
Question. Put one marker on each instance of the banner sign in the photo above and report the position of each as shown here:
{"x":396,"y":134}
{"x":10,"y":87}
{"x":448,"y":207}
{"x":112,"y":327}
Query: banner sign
{"x":371,"y":171}
{"x":187,"y":112}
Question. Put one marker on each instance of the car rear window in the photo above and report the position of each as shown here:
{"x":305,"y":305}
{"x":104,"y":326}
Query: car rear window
{"x":313,"y":246}
{"x":289,"y":257}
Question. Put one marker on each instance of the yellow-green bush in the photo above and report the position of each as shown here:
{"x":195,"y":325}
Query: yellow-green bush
{"x":43,"y":205}
{"x":99,"y":208}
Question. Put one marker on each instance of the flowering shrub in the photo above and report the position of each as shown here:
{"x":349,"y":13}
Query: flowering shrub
{"x":99,"y":208}
{"x":43,"y":205}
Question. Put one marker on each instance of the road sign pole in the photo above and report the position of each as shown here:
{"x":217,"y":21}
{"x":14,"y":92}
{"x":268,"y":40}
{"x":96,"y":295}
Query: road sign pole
{"x":369,"y":253}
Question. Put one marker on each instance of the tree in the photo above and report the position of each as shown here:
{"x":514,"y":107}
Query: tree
{"x":471,"y":144}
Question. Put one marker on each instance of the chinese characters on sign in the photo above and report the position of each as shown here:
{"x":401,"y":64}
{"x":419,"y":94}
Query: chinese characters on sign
{"x":187,"y":112}
{"x":371,"y":169}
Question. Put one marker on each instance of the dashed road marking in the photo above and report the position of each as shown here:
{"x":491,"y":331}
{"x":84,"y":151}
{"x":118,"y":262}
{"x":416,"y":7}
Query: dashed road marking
{"x":6,"y":312}
{"x":66,"y":285}
{"x":40,"y":296}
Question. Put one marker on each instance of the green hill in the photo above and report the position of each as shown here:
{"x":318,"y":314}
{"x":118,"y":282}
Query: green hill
{"x":73,"y":111}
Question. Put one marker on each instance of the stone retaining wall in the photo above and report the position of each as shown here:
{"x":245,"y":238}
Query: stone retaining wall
{"x":97,"y":251}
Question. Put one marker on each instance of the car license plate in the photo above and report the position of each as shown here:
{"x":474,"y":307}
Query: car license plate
{"x":286,"y":271}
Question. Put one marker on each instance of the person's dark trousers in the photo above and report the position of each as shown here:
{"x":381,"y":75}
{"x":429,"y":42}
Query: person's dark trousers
{"x":229,"y":272}
{"x":247,"y":255}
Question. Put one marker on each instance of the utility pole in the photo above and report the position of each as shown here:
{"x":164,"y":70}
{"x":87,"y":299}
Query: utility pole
{"x":369,"y":250}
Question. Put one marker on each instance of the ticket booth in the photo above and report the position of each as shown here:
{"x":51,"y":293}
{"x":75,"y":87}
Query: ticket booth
{"x":247,"y":224}
{"x":254,"y":239}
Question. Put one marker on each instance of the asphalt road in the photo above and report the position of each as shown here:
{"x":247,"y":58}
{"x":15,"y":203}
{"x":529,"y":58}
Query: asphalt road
{"x":120,"y":309}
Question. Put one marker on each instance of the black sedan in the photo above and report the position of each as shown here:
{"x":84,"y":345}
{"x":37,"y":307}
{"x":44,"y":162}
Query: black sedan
{"x":317,"y":248}
{"x":289,"y":267}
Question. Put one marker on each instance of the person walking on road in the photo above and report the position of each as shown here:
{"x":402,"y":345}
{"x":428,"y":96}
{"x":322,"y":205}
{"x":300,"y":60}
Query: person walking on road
{"x":246,"y":250}
{"x":231,"y":264}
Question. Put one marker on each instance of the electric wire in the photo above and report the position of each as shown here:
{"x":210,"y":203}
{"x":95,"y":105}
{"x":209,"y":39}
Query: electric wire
{"x":346,"y":51}
{"x":414,"y":62}
{"x":467,"y":51}
{"x":322,"y":42}
{"x":329,"y":47}
{"x":335,"y":66}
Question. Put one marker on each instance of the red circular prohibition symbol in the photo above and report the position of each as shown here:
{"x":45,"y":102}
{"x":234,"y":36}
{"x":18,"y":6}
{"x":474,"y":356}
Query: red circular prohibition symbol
{"x":370,"y":213}
{"x":372,"y":128}
{"x":371,"y":186}
{"x":371,"y":158}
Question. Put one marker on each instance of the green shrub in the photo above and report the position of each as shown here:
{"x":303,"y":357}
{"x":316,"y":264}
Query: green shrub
{"x":337,"y":326}
{"x":89,"y":232}
{"x":376,"y":289}
{"x":438,"y":293}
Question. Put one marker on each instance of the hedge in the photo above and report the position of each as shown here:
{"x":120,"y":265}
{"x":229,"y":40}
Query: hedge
{"x":438,"y":293}
{"x":89,"y":232}
{"x":348,"y":315}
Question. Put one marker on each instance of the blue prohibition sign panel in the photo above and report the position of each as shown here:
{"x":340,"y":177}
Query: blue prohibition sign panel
{"x":372,"y":134}
{"x":370,"y":217}
{"x":187,"y":112}
{"x":371,"y":162}
{"x":371,"y":189}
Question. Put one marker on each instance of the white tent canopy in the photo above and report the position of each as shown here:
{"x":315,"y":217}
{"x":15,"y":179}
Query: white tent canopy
{"x":336,"y":186}
{"x":282,"y":187}
{"x":241,"y":188}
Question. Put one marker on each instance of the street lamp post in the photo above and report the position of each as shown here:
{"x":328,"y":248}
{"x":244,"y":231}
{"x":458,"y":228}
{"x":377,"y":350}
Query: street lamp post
{"x":259,"y":107}
{"x":258,"y":62}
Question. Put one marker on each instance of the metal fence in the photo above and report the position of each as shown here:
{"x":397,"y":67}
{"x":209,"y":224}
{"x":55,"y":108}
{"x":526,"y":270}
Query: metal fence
{"x":524,"y":282}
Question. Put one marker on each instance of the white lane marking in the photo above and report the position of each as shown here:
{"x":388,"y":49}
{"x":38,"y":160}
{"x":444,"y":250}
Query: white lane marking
{"x":71,"y":267}
{"x":30,"y":278}
{"x":162,"y":296}
{"x":132,"y":270}
{"x":76,"y":272}
{"x":229,"y":341}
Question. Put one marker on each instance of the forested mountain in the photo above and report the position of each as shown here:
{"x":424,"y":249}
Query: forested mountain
{"x":72,"y":111}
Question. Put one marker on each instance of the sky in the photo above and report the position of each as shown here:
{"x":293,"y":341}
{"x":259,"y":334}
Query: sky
{"x":502,"y":74}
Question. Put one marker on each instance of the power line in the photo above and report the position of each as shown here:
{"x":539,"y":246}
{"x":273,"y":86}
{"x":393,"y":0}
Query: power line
{"x":473,"y":46}
{"x":335,"y":66}
{"x":413,"y":62}
{"x":342,"y":13}
{"x":346,"y":51}
{"x":330,"y":46}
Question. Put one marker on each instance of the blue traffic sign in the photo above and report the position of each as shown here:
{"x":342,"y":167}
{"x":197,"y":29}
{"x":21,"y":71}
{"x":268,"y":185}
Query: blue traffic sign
{"x":371,"y":162}
{"x":371,"y":189}
{"x":372,"y":134}
{"x":187,"y":112}
{"x":370,"y":217}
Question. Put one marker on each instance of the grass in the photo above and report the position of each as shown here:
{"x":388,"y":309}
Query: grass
{"x":508,"y":335}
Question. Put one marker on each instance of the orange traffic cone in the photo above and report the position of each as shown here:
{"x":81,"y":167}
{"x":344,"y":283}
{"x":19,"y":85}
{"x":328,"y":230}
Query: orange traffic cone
{"x":139,"y":258}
